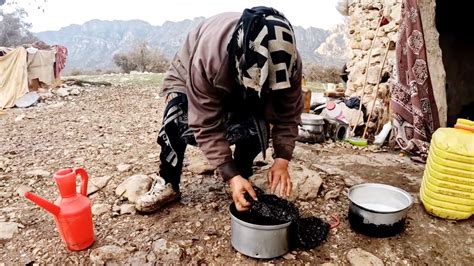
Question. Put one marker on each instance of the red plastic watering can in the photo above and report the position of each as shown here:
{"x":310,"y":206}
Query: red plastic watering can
{"x":72,"y":210}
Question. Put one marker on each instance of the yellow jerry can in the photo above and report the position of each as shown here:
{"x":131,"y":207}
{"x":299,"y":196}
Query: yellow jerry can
{"x":447,"y":190}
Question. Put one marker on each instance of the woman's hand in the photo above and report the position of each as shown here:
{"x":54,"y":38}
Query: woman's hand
{"x":278,"y":175}
{"x":238,"y":187}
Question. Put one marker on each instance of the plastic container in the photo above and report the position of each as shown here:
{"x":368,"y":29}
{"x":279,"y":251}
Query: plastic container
{"x":380,"y":138}
{"x":447,"y":190}
{"x":334,"y":111}
{"x":71,"y":211}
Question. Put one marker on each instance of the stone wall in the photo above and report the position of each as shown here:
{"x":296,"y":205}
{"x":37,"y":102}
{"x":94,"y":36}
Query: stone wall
{"x":364,"y":16}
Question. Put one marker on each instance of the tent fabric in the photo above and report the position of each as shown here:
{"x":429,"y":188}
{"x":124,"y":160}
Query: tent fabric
{"x":13,"y":77}
{"x":61,"y":56}
{"x":412,"y":101}
{"x":40,"y":66}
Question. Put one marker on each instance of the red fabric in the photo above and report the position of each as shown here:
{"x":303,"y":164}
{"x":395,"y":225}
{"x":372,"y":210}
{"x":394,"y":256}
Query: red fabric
{"x":412,"y":100}
{"x":61,"y":56}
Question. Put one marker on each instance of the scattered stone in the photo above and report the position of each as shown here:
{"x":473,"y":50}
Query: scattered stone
{"x":38,"y":173}
{"x":133,"y":187}
{"x":328,"y":264}
{"x":20,"y":117}
{"x":22,"y":189}
{"x":109,"y":253}
{"x":289,"y":256}
{"x":8,"y":230}
{"x":333,"y":194}
{"x":153,"y":155}
{"x":100,"y":208}
{"x":151,"y":256}
{"x":185,"y":243}
{"x":62,"y":92}
{"x":5,"y":195}
{"x":167,"y":251}
{"x":206,"y":238}
{"x":200,"y":166}
{"x":123,"y":167}
{"x":127,"y":209}
{"x":138,"y":258}
{"x":75,"y":91}
{"x":56,"y":105}
{"x":360,"y":257}
{"x":96,"y":183}
{"x":46,"y":95}
{"x":352,"y":181}
{"x":27,"y":100}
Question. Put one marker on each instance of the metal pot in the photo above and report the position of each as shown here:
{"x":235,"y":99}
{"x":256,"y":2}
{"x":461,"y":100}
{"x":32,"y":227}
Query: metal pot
{"x":312,"y":128}
{"x":378,"y":210}
{"x":258,"y":241}
{"x":315,"y":129}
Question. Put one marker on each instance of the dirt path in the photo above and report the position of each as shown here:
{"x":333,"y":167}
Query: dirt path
{"x":104,"y":127}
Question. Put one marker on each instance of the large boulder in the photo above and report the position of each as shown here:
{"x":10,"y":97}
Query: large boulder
{"x":166,"y":251}
{"x":200,"y":166}
{"x":134,"y":186}
{"x":95,"y":184}
{"x":360,"y":257}
{"x":8,"y":230}
{"x":100,"y":208}
{"x":306,"y":182}
{"x":108,"y":254}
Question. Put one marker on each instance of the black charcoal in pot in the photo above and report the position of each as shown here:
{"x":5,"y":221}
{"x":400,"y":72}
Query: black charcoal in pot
{"x":306,"y":233}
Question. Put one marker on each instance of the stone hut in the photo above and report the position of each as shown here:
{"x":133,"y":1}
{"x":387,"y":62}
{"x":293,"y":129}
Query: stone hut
{"x":449,"y":49}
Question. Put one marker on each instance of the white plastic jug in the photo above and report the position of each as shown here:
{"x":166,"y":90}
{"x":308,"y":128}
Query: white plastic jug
{"x":335,"y":112}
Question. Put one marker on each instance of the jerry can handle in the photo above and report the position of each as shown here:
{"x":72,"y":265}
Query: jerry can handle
{"x":84,"y":179}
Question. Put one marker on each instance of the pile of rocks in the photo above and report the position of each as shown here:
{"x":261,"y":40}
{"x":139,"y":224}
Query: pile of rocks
{"x":363,"y":18}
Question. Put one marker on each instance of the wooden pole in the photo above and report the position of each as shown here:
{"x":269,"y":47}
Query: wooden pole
{"x":367,"y":72}
{"x":377,"y":89}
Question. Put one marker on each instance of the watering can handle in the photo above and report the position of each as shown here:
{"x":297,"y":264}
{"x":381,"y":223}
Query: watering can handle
{"x":84,"y":179}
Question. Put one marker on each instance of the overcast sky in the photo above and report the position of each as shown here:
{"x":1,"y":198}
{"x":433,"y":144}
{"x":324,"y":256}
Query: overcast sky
{"x":60,"y":13}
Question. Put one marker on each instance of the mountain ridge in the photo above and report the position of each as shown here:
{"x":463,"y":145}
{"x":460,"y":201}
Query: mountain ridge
{"x":92,"y":44}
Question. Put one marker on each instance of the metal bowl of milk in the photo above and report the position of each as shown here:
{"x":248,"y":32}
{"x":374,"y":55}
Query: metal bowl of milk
{"x":378,"y":210}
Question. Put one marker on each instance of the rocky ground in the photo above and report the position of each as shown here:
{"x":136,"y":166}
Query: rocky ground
{"x":111,"y":132}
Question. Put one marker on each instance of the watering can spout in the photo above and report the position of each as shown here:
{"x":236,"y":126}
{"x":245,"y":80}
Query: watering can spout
{"x":48,"y":206}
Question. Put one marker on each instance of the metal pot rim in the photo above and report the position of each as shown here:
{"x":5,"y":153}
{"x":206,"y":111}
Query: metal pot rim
{"x":403,"y":192}
{"x":257,"y":226}
{"x":311,"y":119}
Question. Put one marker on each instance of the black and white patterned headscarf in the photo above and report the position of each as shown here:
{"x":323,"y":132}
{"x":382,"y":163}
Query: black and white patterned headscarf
{"x":262,"y":51}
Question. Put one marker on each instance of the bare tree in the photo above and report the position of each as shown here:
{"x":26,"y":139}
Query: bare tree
{"x":142,"y":58}
{"x":124,"y":62}
{"x":37,"y":4}
{"x":14,"y":30}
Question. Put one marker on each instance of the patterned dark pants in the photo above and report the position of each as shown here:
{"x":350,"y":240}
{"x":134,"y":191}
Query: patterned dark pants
{"x":175,"y":135}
